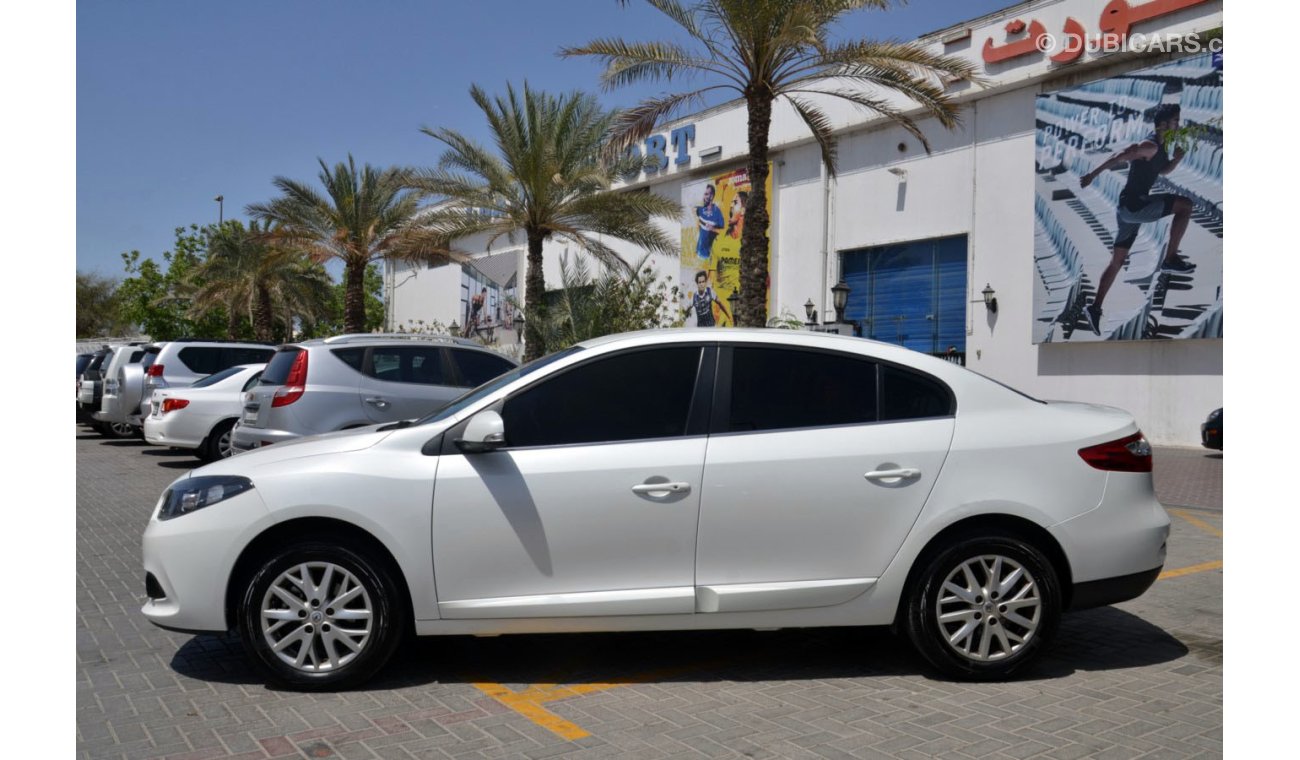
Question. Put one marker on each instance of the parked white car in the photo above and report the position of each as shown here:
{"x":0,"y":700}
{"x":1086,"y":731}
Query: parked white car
{"x":200,"y":416}
{"x":683,"y":479}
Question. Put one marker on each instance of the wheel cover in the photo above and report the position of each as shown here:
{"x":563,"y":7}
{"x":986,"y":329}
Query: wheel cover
{"x":122,"y":429}
{"x":223,"y":444}
{"x":988,"y":608}
{"x":316,"y":617}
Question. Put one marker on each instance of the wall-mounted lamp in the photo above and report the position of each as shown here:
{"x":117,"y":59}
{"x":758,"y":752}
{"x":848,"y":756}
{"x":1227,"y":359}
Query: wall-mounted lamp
{"x":810,"y":310}
{"x":840,"y":297}
{"x":990,"y":301}
{"x":731,"y":301}
{"x":897,"y":172}
{"x":519,"y":327}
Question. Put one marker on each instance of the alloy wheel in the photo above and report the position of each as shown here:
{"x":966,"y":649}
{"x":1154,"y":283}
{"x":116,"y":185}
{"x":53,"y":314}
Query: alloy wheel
{"x":988,"y":608}
{"x":316,"y":617}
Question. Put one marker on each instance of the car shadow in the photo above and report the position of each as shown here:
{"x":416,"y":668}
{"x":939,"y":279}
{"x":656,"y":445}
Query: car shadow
{"x":694,"y":656}
{"x":127,"y":443}
{"x":162,"y":451}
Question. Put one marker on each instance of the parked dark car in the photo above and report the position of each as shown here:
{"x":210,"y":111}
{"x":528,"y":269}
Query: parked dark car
{"x":1212,"y":430}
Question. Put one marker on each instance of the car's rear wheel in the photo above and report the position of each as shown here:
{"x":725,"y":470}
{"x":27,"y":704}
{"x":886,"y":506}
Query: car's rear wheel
{"x":118,"y":429}
{"x":319,"y":615}
{"x":217,"y":445}
{"x":984,"y":608}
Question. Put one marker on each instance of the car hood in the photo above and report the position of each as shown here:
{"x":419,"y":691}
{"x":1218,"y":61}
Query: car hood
{"x":308,"y":446}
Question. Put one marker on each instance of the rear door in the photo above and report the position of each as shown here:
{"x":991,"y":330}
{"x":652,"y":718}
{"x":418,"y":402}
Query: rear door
{"x":406,"y":382}
{"x":818,"y":464}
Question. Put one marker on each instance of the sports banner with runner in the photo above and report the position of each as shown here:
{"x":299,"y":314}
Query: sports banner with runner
{"x":1128,"y":208}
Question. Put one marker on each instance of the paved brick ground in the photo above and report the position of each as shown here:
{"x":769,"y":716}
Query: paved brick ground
{"x":1141,"y":679}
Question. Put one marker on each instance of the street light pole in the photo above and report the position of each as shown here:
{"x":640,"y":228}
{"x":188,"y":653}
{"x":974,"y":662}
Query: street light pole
{"x":221,"y":209}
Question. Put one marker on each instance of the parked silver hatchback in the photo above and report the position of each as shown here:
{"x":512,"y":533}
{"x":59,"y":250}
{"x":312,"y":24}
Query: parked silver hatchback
{"x":349,"y":381}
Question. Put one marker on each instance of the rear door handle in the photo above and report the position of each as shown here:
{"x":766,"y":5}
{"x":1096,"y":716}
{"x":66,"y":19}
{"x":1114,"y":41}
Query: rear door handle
{"x":376,"y":401}
{"x":900,"y":473}
{"x":661,"y":488}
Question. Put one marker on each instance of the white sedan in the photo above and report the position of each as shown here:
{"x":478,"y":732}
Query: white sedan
{"x":200,"y":416}
{"x":683,"y":479}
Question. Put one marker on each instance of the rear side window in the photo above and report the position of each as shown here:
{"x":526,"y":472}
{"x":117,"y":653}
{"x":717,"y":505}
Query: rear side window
{"x":780,"y":389}
{"x":146,"y":361}
{"x":407,"y":364}
{"x":233,"y":356}
{"x":217,"y":377}
{"x":136,"y":356}
{"x":83,"y":361}
{"x":201,"y":360}
{"x":907,"y":395}
{"x":251,"y":381}
{"x":277,"y":370}
{"x":626,"y":397}
{"x":353,"y":357}
{"x":478,"y":367}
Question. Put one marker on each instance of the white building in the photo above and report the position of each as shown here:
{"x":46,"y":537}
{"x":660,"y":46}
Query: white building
{"x":996,"y":203}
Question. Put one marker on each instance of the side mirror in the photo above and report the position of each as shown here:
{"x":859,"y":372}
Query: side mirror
{"x":485,"y":432}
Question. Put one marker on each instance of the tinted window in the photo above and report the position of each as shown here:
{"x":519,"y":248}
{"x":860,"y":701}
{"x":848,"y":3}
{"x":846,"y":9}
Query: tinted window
{"x":92,"y":369}
{"x":147,"y":360}
{"x":252,"y":381}
{"x":478,"y":367}
{"x":217,"y":377}
{"x":233,"y":356}
{"x":136,"y":356}
{"x":907,"y":395}
{"x":83,"y":360}
{"x":277,"y":370}
{"x":777,"y":388}
{"x":353,"y":357}
{"x":407,"y":364}
{"x":201,"y":360}
{"x":632,"y":396}
{"x":501,"y":381}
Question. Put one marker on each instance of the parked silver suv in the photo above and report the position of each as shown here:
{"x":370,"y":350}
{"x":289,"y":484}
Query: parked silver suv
{"x":185,"y":361}
{"x":319,"y":386}
{"x":121,"y":399}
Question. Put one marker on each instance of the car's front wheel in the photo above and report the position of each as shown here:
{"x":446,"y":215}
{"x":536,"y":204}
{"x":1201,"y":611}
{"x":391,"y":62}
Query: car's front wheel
{"x":319,"y":615}
{"x":984,"y":608}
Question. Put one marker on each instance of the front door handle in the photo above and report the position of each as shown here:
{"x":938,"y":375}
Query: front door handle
{"x":377,"y":402}
{"x":900,"y":473}
{"x":661,"y":488}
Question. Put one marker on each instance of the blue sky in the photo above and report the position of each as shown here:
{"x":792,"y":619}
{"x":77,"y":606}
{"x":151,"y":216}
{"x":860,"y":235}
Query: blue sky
{"x":178,"y":102}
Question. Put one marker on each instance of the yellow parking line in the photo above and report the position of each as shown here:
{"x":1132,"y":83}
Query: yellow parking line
{"x":1198,"y":522}
{"x":528,"y":704}
{"x":1215,"y":565}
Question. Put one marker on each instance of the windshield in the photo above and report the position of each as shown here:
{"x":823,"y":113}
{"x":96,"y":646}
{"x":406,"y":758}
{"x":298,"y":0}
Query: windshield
{"x":491,"y":386}
{"x":217,"y":377}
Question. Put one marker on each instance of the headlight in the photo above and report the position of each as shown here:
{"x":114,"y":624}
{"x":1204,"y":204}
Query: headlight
{"x":192,"y":494}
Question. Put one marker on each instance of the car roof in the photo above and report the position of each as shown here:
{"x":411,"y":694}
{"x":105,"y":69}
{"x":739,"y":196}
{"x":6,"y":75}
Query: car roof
{"x":391,"y":339}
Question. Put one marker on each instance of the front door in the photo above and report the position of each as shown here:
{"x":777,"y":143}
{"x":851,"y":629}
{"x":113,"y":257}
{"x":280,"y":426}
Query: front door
{"x":591,"y":509}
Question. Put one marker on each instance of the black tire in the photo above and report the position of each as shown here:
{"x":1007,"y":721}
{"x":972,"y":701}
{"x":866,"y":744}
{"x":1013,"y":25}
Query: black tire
{"x":977,"y":619}
{"x":211,"y":450}
{"x":384,"y":629}
{"x":116,"y":430}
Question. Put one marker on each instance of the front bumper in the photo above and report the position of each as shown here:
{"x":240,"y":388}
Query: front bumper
{"x":190,"y":559}
{"x":244,"y":438}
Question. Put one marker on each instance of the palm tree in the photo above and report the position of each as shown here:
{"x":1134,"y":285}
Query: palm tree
{"x":247,"y":273}
{"x":769,"y":49}
{"x":546,"y":180}
{"x":363,"y":216}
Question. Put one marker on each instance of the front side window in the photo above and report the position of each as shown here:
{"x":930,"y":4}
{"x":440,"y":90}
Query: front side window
{"x":407,"y":364}
{"x":779,"y":389}
{"x":626,"y":397}
{"x":478,"y":367}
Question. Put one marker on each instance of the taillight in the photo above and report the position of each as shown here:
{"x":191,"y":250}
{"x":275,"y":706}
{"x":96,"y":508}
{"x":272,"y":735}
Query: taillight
{"x":1131,"y":454}
{"x":155,"y":370}
{"x":294,"y":384}
{"x":172,"y":404}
